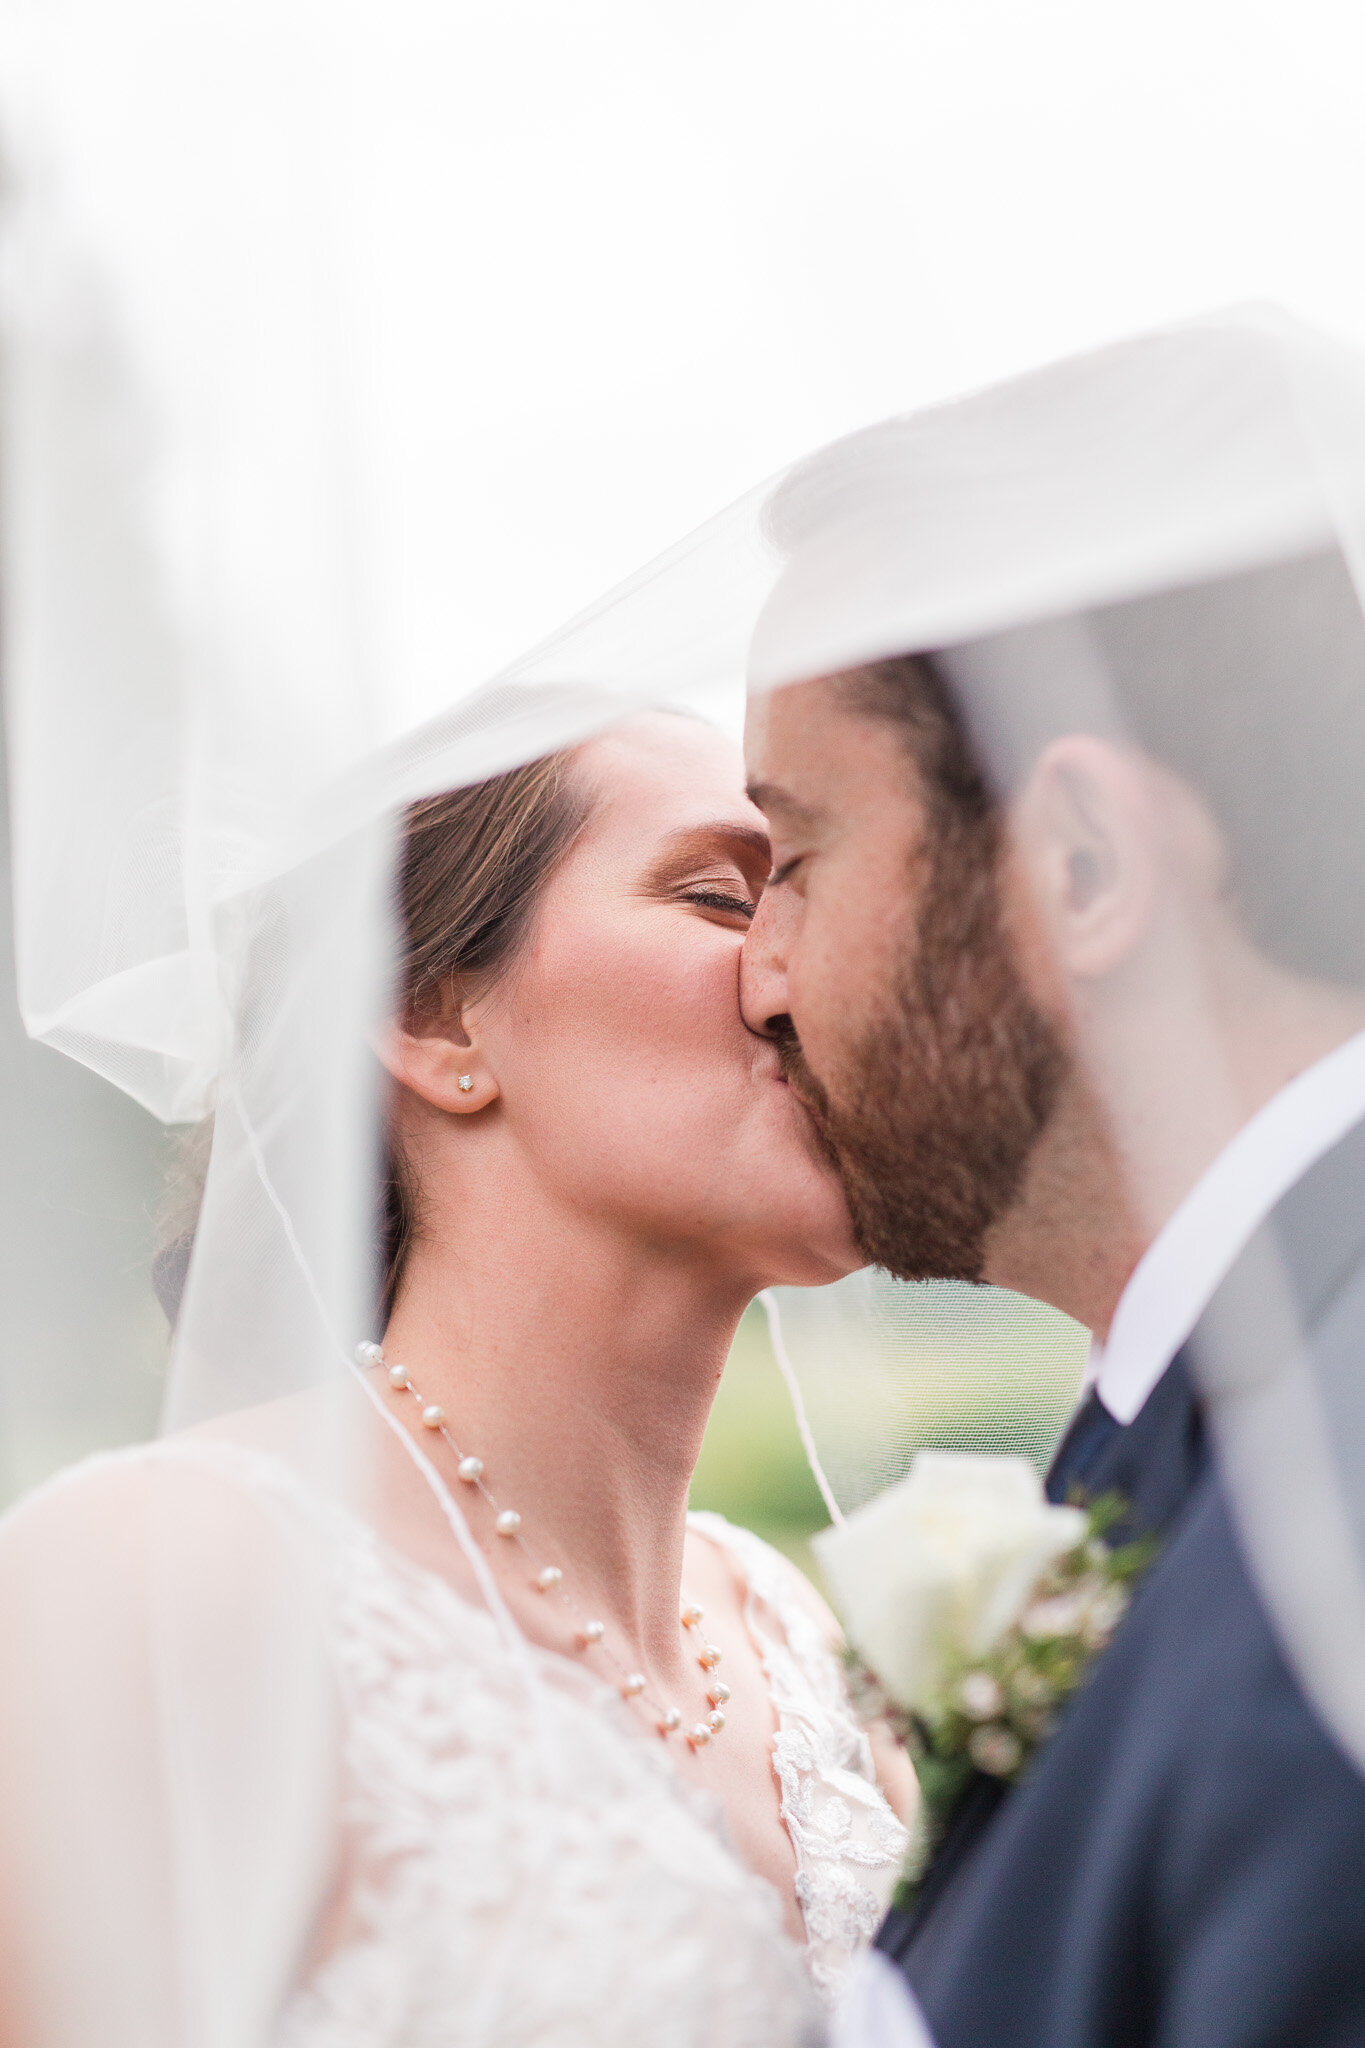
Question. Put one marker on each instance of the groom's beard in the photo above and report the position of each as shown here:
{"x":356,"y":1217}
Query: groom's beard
{"x":944,"y":1094}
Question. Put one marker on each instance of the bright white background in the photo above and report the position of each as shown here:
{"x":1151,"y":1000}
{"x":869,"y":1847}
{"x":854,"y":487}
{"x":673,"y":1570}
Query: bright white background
{"x":694,"y":240}
{"x":534,"y":286}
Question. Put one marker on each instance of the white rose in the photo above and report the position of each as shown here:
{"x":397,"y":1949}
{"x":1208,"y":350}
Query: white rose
{"x":936,"y":1569}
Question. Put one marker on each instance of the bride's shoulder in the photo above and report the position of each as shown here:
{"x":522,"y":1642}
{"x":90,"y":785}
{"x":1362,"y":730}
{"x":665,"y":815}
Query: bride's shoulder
{"x":766,"y":1574}
{"x":779,"y":1598}
{"x":134,"y":1564}
{"x":247,"y":1465}
{"x":184,"y":1520}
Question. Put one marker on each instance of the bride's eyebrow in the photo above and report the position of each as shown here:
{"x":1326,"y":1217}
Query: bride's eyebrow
{"x":723,"y":838}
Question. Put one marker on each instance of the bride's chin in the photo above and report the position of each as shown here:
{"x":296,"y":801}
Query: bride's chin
{"x":805,"y":1130}
{"x":810,"y":1193}
{"x":810,"y":1266}
{"x":817,"y":1251}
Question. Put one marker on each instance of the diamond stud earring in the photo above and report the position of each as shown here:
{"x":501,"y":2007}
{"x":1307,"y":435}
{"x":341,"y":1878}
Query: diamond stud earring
{"x":464,"y":1082}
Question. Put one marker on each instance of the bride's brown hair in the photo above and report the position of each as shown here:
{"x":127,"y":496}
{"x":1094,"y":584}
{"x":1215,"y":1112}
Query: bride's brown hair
{"x":472,"y":865}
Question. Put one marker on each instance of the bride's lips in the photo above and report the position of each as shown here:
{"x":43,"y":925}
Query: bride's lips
{"x":788,"y":1071}
{"x":813,"y":1109}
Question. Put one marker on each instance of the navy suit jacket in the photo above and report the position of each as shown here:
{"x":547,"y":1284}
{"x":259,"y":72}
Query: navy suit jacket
{"x":1184,"y":1862}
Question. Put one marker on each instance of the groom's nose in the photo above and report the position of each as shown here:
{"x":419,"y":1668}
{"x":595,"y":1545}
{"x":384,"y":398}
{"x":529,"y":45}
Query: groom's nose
{"x":763,"y":999}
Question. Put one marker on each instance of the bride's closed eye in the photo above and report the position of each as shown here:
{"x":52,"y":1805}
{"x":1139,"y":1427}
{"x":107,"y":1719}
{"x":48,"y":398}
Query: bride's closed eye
{"x":715,"y":868}
{"x":715,"y":896}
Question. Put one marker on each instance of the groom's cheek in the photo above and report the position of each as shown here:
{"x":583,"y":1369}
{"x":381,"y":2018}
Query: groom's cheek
{"x":858,"y":901}
{"x":833,"y":970}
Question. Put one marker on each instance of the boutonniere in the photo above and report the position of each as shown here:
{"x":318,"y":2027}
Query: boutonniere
{"x":973,"y":1608}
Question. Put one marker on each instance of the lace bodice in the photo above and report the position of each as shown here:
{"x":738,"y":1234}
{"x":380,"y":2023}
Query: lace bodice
{"x":849,"y":1845}
{"x":521,"y":1866}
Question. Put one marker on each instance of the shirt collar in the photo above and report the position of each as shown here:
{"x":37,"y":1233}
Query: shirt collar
{"x":1179,"y":1273}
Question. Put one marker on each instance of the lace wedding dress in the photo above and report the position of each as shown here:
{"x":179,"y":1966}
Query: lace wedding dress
{"x":476,"y":1909}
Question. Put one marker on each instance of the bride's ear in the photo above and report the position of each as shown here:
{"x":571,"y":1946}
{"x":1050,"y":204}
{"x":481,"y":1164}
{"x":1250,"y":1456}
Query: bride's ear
{"x":438,"y":1058}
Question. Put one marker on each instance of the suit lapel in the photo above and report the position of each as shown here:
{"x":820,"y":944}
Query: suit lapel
{"x":1316,"y":1237}
{"x":1154,"y":1463}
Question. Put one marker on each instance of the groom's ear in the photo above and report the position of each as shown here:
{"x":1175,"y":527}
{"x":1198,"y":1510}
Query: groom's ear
{"x":1088,"y":832}
{"x":435,"y":1052}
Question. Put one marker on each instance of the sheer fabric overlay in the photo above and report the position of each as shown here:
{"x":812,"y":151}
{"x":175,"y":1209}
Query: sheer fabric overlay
{"x":624,"y":1888}
{"x":203,"y":788}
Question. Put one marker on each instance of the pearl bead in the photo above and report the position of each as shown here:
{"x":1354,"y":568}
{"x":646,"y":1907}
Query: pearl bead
{"x":591,"y":1632}
{"x":691,"y":1616}
{"x":718,"y":1693}
{"x":470,"y":1470}
{"x":715,"y":1721}
{"x":547,"y":1579}
{"x":398,"y":1376}
{"x":708,"y":1656}
{"x":433,"y":1417}
{"x":369,"y":1354}
{"x":508,"y":1522}
{"x":633,"y":1685}
{"x":699,"y":1736}
{"x":669,"y":1720}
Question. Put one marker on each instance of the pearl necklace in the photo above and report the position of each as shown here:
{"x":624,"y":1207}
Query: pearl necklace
{"x":548,"y":1579}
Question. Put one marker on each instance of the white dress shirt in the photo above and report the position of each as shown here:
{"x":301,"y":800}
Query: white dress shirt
{"x":878,"y":2009}
{"x":1179,"y":1273}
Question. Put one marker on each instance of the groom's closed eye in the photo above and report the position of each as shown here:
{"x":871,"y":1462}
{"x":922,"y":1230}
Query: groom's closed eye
{"x":791,"y":821}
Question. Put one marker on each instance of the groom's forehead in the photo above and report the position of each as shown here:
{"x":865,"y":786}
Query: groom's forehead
{"x":816,"y":750}
{"x":803,"y":725}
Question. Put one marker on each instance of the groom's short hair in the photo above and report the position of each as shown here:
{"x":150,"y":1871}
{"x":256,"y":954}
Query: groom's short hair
{"x":1250,"y":687}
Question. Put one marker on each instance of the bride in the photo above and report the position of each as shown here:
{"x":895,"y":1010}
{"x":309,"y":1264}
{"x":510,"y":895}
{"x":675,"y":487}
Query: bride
{"x":584,"y":1765}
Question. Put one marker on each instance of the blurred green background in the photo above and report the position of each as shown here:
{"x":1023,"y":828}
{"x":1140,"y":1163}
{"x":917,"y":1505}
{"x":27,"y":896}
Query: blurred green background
{"x":753,"y":1469}
{"x":952,"y":1367}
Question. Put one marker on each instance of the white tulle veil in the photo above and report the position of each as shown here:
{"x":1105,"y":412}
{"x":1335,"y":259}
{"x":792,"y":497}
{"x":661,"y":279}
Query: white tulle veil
{"x":201,"y":610}
{"x":1189,"y":504}
{"x":201,"y":629}
{"x":1187,"y":509}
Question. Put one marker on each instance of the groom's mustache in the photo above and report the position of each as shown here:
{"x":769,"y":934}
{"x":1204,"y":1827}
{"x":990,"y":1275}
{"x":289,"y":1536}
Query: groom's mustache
{"x":791,"y":1059}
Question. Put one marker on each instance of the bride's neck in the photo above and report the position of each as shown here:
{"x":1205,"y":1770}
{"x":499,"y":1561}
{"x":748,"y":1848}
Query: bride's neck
{"x":581,"y":1367}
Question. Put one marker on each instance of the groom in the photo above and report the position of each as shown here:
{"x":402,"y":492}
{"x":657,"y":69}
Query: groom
{"x":1064,"y":947}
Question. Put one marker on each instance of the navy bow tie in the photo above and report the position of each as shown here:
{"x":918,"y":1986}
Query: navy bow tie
{"x":1089,"y":1436}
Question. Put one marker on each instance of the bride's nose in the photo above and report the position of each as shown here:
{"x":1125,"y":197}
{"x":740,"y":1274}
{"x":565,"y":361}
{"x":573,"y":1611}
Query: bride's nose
{"x":763,"y":974}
